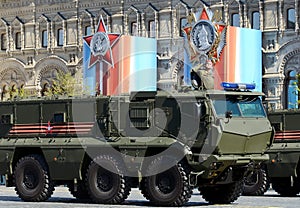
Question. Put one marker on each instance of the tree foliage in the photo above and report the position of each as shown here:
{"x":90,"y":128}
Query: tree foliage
{"x":64,"y":85}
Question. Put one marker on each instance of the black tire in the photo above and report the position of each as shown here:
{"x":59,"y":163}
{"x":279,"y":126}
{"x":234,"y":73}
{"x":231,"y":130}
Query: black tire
{"x":32,"y":179}
{"x":222,"y":194}
{"x":284,"y":186}
{"x":256,"y":183}
{"x":81,"y":192}
{"x":142,"y":188}
{"x":169,"y":188}
{"x":107,"y":186}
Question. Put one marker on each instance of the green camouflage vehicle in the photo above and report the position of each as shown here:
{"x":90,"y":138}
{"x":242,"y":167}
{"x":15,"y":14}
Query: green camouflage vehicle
{"x":164,"y":143}
{"x":282,"y":170}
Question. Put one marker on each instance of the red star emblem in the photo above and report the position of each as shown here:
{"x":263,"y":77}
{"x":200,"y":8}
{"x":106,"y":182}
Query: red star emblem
{"x":49,"y":128}
{"x":101,"y":44}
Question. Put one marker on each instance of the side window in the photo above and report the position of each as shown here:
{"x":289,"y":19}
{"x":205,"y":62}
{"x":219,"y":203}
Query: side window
{"x":291,"y":20}
{"x":235,"y":20}
{"x":18,"y":40}
{"x":134,"y":29}
{"x":183,"y":22}
{"x":60,"y":37}
{"x":151,"y":28}
{"x":3,"y":42}
{"x":59,"y":117}
{"x":277,"y":126}
{"x":255,"y":20}
{"x":7,"y":119}
{"x":45,"y":39}
{"x":88,"y":30}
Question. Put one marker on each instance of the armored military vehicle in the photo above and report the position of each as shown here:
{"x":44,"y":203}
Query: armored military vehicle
{"x":282,"y":170}
{"x":164,"y":143}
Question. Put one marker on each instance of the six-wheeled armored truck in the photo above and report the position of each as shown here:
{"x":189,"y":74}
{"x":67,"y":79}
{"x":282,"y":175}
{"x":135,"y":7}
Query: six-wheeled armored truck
{"x":282,"y":170}
{"x":165,"y":143}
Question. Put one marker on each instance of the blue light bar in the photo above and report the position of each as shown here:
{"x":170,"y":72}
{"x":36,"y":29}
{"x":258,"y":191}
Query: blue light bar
{"x":237,"y":86}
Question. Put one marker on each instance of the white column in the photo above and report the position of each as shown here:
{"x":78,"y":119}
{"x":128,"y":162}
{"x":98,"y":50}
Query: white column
{"x":261,"y":14}
{"x":296,"y":15}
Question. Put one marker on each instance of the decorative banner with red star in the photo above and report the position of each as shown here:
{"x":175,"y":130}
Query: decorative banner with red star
{"x":101,"y":56}
{"x":115,"y":64}
{"x":101,"y":44}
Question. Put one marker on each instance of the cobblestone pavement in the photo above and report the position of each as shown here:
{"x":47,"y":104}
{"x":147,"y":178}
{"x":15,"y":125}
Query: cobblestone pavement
{"x":62,"y":198}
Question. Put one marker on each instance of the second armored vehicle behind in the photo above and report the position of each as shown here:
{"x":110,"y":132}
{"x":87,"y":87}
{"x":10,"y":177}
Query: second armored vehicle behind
{"x":282,"y":170}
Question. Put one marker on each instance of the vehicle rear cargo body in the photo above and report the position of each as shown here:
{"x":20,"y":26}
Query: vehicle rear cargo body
{"x":204,"y":139}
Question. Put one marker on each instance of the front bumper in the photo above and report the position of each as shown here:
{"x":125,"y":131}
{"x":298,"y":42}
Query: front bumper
{"x":215,"y":165}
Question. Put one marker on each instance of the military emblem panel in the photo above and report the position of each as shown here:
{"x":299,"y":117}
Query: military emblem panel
{"x":203,"y":36}
{"x":99,"y":44}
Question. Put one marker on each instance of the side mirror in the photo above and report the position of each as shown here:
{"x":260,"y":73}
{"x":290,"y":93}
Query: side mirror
{"x":228,"y":114}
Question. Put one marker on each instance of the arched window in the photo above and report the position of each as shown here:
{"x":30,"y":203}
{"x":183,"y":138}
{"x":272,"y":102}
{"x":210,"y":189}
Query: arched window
{"x":44,"y":38}
{"x":13,"y":75}
{"x":3,"y":42}
{"x":5,"y":93}
{"x":14,"y":91}
{"x":134,"y":29}
{"x":255,"y":20}
{"x":60,"y":37}
{"x":291,"y":20}
{"x":292,"y":92}
{"x":151,"y":29}
{"x":235,"y":20}
{"x":88,"y":30}
{"x":18,"y":40}
{"x":45,"y":89}
{"x":183,"y":22}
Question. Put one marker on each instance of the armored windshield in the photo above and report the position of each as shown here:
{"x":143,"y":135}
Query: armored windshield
{"x":249,"y":107}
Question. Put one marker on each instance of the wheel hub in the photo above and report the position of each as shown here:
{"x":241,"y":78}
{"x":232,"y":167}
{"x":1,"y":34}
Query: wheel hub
{"x":30,"y":179}
{"x":165,"y":183}
{"x":252,"y":179}
{"x":104,"y":181}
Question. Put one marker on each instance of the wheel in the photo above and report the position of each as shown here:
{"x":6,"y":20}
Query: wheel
{"x":169,"y":188}
{"x":256,"y":183}
{"x":222,"y":194}
{"x":143,"y":189}
{"x":81,"y":192}
{"x":284,"y":186}
{"x":32,"y":180}
{"x":107,"y":185}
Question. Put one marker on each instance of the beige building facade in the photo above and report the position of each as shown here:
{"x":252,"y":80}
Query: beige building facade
{"x":41,"y":37}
